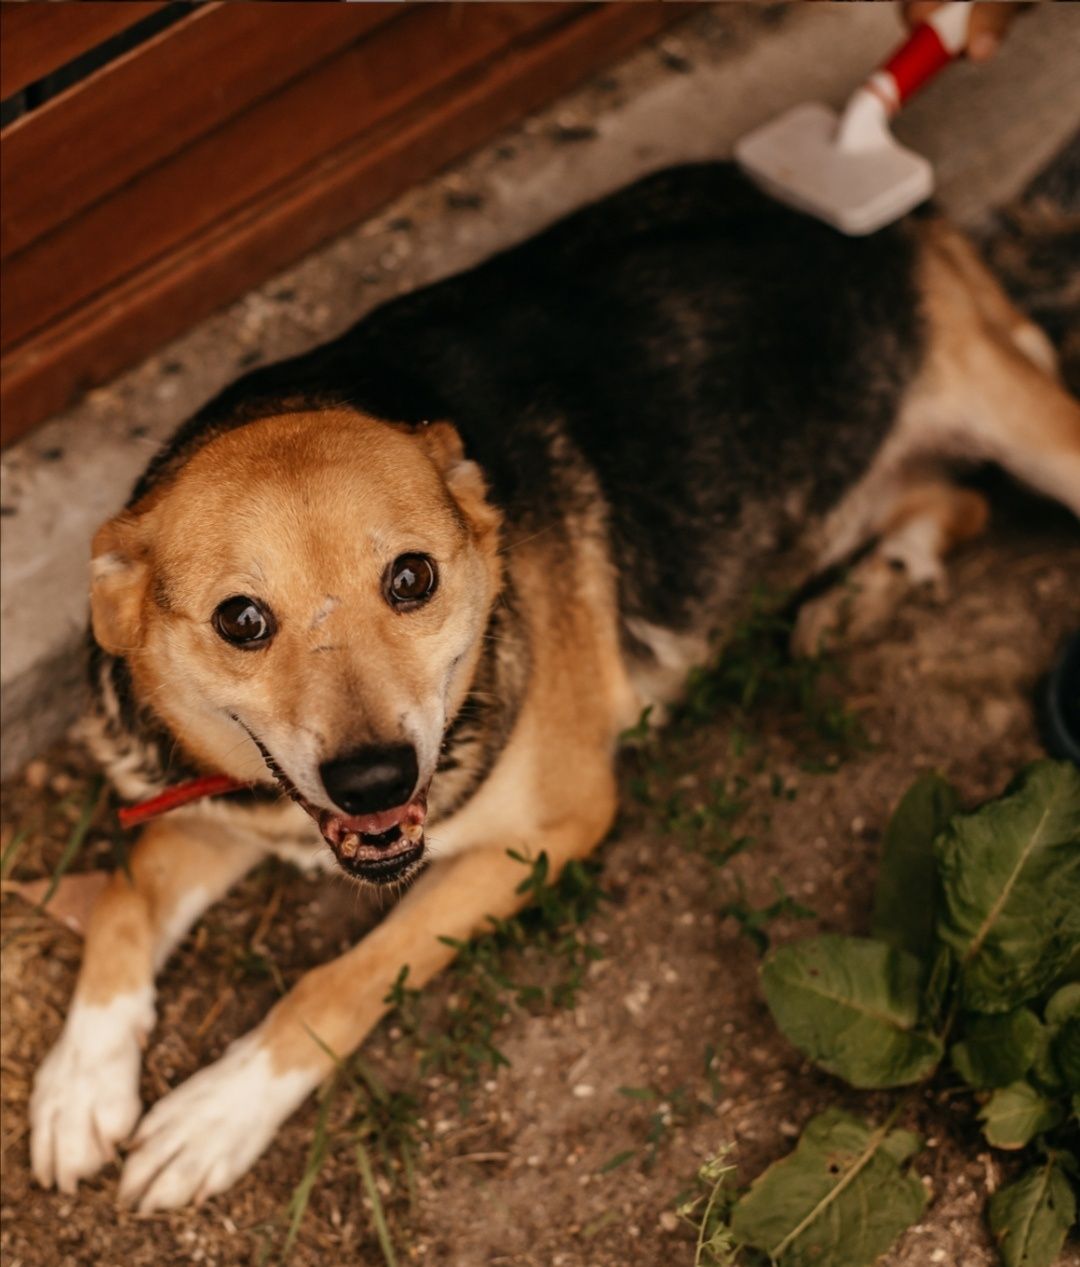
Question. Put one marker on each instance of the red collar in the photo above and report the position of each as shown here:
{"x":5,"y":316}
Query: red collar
{"x":173,"y":797}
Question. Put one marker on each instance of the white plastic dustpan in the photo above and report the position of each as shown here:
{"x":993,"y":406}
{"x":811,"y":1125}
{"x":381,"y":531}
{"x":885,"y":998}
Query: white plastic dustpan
{"x":848,"y":169}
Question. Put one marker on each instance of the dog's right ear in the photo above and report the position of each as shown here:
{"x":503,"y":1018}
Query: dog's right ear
{"x":463,"y":477}
{"x":119,"y":575}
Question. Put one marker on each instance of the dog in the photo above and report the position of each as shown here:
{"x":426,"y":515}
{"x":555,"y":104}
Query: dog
{"x":421,"y":578}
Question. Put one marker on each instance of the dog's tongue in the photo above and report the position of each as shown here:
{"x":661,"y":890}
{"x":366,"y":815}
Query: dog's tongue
{"x":409,"y":817}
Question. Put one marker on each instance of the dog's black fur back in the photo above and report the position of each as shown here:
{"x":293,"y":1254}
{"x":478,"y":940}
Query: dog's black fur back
{"x":692,"y":342}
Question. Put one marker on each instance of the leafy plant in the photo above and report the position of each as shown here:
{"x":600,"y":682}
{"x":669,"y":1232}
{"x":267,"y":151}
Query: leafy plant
{"x":842,"y":1197}
{"x":706,"y":1210}
{"x":853,"y":1006}
{"x":1031,"y":1217}
{"x":974,"y":956}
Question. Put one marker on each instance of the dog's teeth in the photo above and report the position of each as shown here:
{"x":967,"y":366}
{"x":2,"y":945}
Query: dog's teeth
{"x":349,"y":844}
{"x":412,"y":831}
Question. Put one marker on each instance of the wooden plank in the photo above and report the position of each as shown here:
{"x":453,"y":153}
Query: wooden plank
{"x":367,"y":83}
{"x":36,"y":39}
{"x":158,"y":97}
{"x":92,"y":345}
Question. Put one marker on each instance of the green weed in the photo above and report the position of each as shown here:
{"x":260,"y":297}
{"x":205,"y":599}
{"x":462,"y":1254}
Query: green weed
{"x":667,"y":1111}
{"x":381,"y":1128}
{"x":753,"y":921}
{"x":754,"y":674}
{"x":536,"y":960}
{"x":91,"y":803}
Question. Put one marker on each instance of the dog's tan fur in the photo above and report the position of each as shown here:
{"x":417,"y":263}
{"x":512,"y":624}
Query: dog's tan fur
{"x":344,"y":667}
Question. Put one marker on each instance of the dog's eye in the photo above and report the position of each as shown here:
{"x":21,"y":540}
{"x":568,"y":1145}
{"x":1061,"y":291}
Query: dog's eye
{"x":244,"y":622}
{"x":410,"y":580}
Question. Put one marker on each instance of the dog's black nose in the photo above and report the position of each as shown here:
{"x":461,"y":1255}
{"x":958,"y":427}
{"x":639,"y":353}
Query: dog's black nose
{"x":371,"y":779}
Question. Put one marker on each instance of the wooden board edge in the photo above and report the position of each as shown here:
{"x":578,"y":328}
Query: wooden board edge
{"x":93,"y":344}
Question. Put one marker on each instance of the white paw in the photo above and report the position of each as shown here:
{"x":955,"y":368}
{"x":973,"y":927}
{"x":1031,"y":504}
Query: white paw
{"x":204,"y":1135}
{"x":86,"y":1093}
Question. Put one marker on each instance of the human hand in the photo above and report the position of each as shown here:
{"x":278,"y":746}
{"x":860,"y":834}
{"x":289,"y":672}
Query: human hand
{"x":989,"y":23}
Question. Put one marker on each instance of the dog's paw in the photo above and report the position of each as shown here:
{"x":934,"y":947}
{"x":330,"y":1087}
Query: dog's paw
{"x":204,"y":1135}
{"x":86,"y":1093}
{"x":860,"y":609}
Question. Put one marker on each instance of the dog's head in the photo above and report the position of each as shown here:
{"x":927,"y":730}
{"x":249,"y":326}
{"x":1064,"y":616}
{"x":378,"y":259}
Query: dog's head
{"x":308,"y":593}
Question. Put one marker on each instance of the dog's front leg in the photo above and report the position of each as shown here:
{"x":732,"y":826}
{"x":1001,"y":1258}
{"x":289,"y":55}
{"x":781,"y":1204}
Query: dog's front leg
{"x":86,"y":1093}
{"x":204,"y":1136}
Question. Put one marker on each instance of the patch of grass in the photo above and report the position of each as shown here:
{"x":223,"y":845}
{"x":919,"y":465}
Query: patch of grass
{"x":666,"y":1112}
{"x":707,"y":823}
{"x":382,"y":1129}
{"x":753,"y":921}
{"x":316,"y":1156}
{"x":754,"y":673}
{"x":753,"y":688}
{"x":535,"y":961}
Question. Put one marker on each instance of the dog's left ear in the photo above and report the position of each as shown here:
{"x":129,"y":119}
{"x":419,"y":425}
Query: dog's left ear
{"x":119,"y":574}
{"x":463,"y":477}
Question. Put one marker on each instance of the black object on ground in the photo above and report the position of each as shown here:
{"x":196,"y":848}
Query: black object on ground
{"x":1060,"y":704}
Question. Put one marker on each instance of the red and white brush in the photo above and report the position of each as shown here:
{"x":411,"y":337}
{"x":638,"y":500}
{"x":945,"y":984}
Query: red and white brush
{"x":848,"y":169}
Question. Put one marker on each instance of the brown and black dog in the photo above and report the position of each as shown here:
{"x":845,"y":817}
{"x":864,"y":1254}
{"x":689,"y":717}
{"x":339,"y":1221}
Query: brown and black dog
{"x":422,"y":578}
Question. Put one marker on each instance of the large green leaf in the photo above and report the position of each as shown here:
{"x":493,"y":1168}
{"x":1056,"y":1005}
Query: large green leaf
{"x":905,"y":904}
{"x":1061,"y":1063}
{"x":1010,"y":877}
{"x":839,"y":1200}
{"x":1063,"y":1005}
{"x":1014,"y":1115}
{"x":1030,"y":1218}
{"x":997,"y":1050}
{"x":852,"y":1006}
{"x":1065,"y":1053}
{"x":1062,"y":1012}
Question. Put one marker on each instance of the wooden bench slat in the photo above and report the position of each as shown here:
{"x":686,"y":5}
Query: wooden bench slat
{"x":158,"y":97}
{"x":108,"y":334}
{"x":36,"y":39}
{"x":310,"y":117}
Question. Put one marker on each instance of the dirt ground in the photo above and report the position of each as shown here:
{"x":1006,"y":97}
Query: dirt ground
{"x":516,"y":1168}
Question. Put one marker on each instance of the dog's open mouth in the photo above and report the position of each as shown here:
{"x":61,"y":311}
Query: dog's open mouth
{"x":376,"y":847}
{"x":379,"y":848}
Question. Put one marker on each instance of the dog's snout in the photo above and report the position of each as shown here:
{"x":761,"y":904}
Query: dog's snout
{"x":371,"y":779}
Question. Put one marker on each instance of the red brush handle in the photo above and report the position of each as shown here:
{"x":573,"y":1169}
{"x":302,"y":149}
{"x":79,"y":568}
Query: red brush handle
{"x":929,"y":49}
{"x":917,"y":62}
{"x":173,"y":797}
